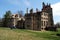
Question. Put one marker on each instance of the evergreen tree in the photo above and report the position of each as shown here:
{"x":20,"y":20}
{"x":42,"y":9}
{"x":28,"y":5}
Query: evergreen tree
{"x":6,"y":19}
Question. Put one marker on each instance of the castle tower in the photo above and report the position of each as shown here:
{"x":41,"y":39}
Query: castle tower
{"x":47,"y":8}
{"x":43,"y":4}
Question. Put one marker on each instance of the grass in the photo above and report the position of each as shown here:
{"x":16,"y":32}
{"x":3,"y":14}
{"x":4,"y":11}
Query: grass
{"x":23,"y":34}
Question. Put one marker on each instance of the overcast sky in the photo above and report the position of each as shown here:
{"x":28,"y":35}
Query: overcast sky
{"x":17,"y":5}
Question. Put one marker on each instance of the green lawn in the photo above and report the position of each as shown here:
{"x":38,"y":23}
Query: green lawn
{"x":23,"y":34}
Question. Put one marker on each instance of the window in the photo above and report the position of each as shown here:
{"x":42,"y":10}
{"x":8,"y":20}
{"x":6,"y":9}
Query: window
{"x":41,"y":17}
{"x":41,"y":23}
{"x":45,"y":14}
{"x":41,"y":13}
{"x":38,"y":26}
{"x":37,"y":18}
{"x":44,"y":23}
{"x":16,"y":15}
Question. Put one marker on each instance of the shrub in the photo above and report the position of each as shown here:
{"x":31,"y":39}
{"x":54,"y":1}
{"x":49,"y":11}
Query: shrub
{"x":51,"y":28}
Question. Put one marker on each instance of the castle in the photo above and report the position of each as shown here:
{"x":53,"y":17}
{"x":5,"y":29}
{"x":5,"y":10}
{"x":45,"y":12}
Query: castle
{"x":38,"y":20}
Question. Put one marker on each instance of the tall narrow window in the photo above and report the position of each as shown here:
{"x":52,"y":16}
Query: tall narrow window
{"x":41,"y":23}
{"x":44,"y":23}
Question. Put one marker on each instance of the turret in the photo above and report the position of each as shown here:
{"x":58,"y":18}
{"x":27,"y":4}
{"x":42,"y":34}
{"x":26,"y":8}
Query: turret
{"x":46,"y":8}
{"x":36,"y":9}
{"x":27,"y":11}
{"x":49,"y":5}
{"x":31,"y":10}
{"x":43,"y":4}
